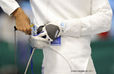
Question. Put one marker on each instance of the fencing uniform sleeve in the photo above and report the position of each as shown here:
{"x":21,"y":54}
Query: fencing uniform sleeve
{"x":9,"y":6}
{"x":99,"y":20}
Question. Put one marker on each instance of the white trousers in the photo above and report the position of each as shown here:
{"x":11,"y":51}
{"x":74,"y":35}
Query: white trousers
{"x":55,"y":64}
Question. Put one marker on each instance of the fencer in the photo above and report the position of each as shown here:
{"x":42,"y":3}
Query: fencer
{"x":64,"y":30}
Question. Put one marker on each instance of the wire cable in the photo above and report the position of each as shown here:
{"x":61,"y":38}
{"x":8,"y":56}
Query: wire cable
{"x":32,"y":62}
{"x":29,"y":61}
{"x":15,"y":48}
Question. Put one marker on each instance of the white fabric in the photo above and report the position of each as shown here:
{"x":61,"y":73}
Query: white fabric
{"x":38,"y":42}
{"x":82,"y":18}
{"x":9,"y":6}
{"x":61,"y":65}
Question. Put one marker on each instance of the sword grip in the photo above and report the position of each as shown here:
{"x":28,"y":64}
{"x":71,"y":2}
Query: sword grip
{"x":15,"y":29}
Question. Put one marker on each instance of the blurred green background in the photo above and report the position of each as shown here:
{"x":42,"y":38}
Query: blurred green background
{"x":103,"y":57}
{"x":102,"y":50}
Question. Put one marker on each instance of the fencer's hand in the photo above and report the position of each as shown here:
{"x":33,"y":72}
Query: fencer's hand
{"x":22,"y":21}
{"x":45,"y":34}
{"x":49,"y":32}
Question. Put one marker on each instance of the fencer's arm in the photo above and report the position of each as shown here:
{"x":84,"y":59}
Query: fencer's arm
{"x":9,"y":6}
{"x":99,"y":21}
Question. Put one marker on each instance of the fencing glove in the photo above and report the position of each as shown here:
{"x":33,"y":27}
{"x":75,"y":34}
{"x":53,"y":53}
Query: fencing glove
{"x":49,"y":32}
{"x":45,"y":34}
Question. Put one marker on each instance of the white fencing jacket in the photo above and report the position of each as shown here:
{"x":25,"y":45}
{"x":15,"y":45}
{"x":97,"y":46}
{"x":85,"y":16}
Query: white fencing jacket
{"x":82,"y":18}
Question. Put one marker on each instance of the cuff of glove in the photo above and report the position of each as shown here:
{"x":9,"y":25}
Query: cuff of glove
{"x":72,"y":28}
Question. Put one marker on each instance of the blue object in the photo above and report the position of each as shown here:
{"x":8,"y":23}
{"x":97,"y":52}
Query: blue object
{"x":57,"y":41}
{"x":34,"y":30}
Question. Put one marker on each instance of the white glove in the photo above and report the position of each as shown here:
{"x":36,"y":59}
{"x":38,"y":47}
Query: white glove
{"x":38,"y":42}
{"x":45,"y":35}
{"x":49,"y":32}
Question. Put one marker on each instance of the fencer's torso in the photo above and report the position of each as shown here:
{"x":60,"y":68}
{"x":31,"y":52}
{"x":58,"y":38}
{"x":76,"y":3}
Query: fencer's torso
{"x":49,"y":10}
{"x":75,"y":51}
